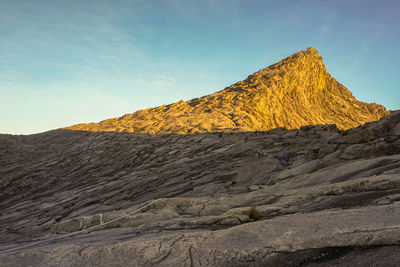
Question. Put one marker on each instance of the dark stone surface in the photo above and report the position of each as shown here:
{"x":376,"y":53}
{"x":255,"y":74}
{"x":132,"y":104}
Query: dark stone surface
{"x":337,"y":203}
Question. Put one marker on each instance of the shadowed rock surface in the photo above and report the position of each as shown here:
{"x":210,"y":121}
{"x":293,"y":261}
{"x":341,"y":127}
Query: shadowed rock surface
{"x":294,"y":92}
{"x":222,"y":199}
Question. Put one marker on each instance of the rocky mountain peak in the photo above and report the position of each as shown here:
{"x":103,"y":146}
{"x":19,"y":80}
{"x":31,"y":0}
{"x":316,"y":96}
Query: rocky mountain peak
{"x":303,"y":63}
{"x":312,"y":50}
{"x":294,"y":92}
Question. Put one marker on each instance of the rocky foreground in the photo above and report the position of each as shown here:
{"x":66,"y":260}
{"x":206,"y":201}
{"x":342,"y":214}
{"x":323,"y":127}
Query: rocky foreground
{"x":220,"y":199}
{"x":294,"y":92}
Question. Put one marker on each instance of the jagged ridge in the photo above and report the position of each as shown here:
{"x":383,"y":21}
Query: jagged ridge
{"x":294,"y":92}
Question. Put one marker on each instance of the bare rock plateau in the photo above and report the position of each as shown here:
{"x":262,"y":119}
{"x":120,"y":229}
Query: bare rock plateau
{"x":314,"y":196}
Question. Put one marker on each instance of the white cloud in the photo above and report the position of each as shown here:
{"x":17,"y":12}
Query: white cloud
{"x":101,"y":97}
{"x":163,"y":81}
{"x":324,"y":29}
{"x":364,"y":48}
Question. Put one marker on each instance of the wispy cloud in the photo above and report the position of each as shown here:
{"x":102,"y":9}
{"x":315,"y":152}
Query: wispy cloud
{"x":83,"y":45}
{"x":163,"y":81}
{"x":158,"y":82}
{"x":324,"y":29}
{"x":358,"y":58}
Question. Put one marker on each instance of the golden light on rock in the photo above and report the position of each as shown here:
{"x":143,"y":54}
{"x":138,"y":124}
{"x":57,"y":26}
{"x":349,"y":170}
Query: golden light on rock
{"x":294,"y":92}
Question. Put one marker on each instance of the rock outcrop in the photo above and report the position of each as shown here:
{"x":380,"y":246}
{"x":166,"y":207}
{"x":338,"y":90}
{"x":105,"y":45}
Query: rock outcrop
{"x":221,"y":199}
{"x":294,"y":92}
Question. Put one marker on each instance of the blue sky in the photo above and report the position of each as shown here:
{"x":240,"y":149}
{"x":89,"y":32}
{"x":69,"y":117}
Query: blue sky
{"x":66,"y":62}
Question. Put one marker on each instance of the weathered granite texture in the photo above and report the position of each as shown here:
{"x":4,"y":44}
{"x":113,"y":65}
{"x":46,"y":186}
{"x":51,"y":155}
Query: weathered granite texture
{"x":293,"y":92}
{"x":224,"y":199}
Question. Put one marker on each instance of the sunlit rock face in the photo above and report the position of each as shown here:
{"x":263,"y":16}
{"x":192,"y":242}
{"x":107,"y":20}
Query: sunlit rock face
{"x":294,"y":92}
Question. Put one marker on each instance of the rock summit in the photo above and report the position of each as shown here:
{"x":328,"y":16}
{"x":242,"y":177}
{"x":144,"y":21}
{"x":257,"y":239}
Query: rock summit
{"x":294,"y":92}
